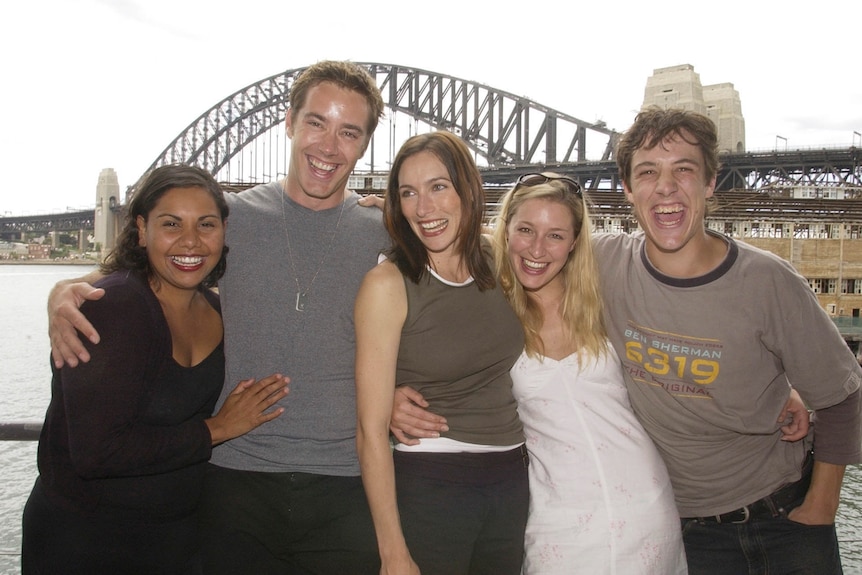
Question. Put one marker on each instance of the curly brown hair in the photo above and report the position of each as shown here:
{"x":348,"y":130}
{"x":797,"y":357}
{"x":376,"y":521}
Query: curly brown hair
{"x":128,"y":253}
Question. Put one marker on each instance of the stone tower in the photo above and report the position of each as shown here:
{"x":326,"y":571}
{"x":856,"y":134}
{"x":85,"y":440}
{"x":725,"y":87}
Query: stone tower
{"x":107,"y":210}
{"x":680,"y":87}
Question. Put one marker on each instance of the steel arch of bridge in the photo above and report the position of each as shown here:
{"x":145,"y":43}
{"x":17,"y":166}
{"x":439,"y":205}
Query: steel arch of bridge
{"x":242,"y":139}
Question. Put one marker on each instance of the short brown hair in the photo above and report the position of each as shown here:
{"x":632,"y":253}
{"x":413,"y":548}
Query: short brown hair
{"x":653,"y":125}
{"x":343,"y":74}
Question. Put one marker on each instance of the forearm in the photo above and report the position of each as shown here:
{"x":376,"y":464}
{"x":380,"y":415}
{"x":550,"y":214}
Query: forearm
{"x":90,"y":278}
{"x":836,"y":443}
{"x":378,"y":477}
{"x":838,"y":431}
{"x":821,"y":501}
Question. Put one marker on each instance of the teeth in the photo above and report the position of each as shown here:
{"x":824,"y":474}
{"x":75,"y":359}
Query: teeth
{"x":432,"y":225}
{"x":187,"y":260}
{"x":322,"y":165}
{"x":534,"y":265}
{"x":668,"y":209}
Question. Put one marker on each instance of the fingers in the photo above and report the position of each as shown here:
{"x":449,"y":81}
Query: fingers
{"x":796,"y":418}
{"x":784,"y":413}
{"x":242,"y":386}
{"x":81,"y":292}
{"x":270,"y":415}
{"x":65,"y":320}
{"x":410,"y":420}
{"x":85,"y":291}
{"x":410,"y":423}
{"x":372,"y":201}
{"x":403,"y":437}
{"x":66,"y":346}
{"x":269,"y":390}
{"x":407,"y":394}
{"x":247,"y":407}
{"x":410,"y":417}
{"x":793,"y":431}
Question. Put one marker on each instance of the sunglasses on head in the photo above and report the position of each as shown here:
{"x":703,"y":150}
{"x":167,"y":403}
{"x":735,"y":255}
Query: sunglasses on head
{"x":529,"y":180}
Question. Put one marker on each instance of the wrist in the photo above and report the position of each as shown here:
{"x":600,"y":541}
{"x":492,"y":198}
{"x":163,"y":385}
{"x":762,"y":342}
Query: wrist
{"x":216,"y":431}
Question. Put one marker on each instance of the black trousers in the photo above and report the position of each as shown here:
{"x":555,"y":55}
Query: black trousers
{"x":58,"y":540}
{"x":286,"y":524}
{"x":464,"y":513}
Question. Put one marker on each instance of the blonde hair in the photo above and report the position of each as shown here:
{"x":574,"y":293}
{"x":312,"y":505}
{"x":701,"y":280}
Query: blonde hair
{"x":582,"y":301}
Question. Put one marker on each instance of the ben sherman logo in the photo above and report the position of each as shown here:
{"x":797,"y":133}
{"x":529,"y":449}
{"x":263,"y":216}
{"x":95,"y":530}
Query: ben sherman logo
{"x":682,"y":365}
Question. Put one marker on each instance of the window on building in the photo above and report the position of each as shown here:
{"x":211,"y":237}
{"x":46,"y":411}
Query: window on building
{"x":629,"y":226}
{"x":851,"y":286}
{"x":819,"y":285}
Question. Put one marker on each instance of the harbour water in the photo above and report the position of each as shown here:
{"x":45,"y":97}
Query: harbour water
{"x":25,"y":392}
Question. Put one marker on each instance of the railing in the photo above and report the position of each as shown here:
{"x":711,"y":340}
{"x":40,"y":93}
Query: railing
{"x":29,"y":431}
{"x":844,"y":322}
{"x":20,"y":431}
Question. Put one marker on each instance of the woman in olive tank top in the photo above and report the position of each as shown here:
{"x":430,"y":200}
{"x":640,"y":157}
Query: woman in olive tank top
{"x":433,"y":317}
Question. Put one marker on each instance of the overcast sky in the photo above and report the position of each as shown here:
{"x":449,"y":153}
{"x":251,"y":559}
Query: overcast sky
{"x":92,"y":84}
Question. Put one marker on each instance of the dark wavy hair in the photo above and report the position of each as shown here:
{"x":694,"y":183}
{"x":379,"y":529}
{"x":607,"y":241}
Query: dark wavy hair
{"x":128,"y":253}
{"x":653,"y":125}
{"x":408,"y":252}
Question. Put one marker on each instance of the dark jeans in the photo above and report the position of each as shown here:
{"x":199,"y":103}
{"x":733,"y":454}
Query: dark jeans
{"x":762,"y":540}
{"x":464,"y":513}
{"x":286,"y":524}
{"x":769,"y":547}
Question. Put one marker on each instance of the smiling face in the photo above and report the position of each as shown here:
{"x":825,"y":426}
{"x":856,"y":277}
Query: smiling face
{"x":328,"y":136}
{"x":184,"y":236}
{"x":430,"y":203}
{"x":540,"y":237}
{"x":668,"y":189}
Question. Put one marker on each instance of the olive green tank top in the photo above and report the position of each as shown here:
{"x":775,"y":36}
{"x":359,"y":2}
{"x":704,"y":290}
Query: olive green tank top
{"x":457,"y":346}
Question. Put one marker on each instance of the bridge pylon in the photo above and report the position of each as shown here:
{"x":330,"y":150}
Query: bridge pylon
{"x":107,"y":201}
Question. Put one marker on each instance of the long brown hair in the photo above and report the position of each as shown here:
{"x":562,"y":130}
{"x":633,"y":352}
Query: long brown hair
{"x":408,"y":252}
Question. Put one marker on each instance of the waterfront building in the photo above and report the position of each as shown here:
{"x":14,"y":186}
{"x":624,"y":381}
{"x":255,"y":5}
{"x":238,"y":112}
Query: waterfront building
{"x":680,"y":87}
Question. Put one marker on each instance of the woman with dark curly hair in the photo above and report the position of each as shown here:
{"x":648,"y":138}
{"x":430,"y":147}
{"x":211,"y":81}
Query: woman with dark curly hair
{"x":127,"y":435}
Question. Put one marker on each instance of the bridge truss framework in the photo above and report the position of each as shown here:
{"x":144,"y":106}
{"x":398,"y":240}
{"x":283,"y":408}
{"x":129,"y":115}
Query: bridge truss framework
{"x":242,"y":141}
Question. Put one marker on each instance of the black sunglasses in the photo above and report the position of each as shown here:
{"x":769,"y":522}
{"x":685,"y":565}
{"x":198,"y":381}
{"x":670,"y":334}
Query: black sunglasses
{"x":529,"y":180}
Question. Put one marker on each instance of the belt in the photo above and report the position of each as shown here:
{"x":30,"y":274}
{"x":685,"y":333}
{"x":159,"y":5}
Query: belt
{"x":770,"y":506}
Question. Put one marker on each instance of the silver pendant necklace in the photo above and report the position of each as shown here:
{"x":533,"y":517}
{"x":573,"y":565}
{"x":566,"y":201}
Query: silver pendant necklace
{"x":302,"y":295}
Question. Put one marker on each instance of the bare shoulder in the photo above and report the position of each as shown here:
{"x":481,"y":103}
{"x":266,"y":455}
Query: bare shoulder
{"x":385,"y":272}
{"x":382,"y":290}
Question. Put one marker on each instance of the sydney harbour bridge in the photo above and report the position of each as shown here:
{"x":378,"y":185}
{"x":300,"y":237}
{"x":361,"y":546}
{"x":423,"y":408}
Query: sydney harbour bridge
{"x":241,"y":140}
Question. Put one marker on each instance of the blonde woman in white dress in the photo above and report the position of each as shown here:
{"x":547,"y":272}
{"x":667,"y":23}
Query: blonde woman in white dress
{"x":600,"y":496}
